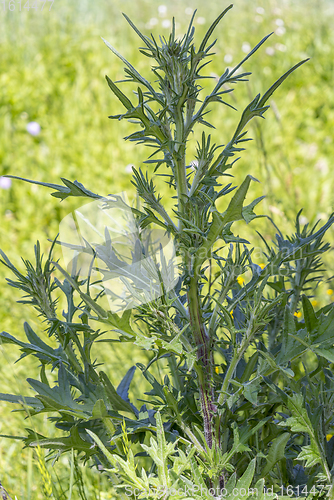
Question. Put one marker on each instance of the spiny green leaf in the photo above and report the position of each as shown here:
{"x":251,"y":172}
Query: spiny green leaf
{"x":245,"y":481}
{"x":133,"y":72}
{"x":300,"y":420}
{"x":196,"y":475}
{"x":310,"y":453}
{"x":63,"y":443}
{"x":86,"y":298}
{"x":276,"y":452}
{"x":123,"y":388}
{"x":249,"y":55}
{"x":70,"y":189}
{"x":212,"y":28}
{"x":234,"y":210}
{"x":324,"y":334}
{"x":99,"y":410}
{"x":25,"y":400}
{"x":117,"y":403}
{"x":145,"y":39}
{"x":272,"y":89}
{"x":42,"y":352}
{"x":325,"y":353}
{"x":248,"y":213}
{"x":232,"y":214}
{"x":119,"y":94}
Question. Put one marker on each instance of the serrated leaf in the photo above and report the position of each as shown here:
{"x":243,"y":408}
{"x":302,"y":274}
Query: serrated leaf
{"x":251,"y":390}
{"x":157,"y":388}
{"x":36,"y":341}
{"x":86,"y":298}
{"x":234,"y":209}
{"x":59,"y":397}
{"x":276,"y":452}
{"x":133,"y":72}
{"x":123,"y":388}
{"x":119,"y":94}
{"x":116,"y":402}
{"x":310,"y":318}
{"x":159,"y":450}
{"x":325,"y":353}
{"x":70,"y":189}
{"x":42,"y":353}
{"x":299,"y":422}
{"x":325,"y":332}
{"x":24,"y":400}
{"x":248,"y":213}
{"x":246,"y":479}
{"x":310,"y":454}
{"x":99,"y":410}
{"x":63,"y":444}
{"x":232,"y":214}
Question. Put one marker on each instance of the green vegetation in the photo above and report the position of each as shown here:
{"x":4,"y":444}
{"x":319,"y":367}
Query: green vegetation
{"x":52,"y":72}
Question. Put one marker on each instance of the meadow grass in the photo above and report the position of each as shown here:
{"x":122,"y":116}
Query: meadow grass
{"x":52,"y":71}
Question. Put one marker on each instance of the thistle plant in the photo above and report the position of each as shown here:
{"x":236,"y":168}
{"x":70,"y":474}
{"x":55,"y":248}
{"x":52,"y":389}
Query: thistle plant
{"x":239,"y":406}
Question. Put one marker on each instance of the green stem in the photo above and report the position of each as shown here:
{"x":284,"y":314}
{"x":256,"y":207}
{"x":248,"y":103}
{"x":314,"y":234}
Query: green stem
{"x":237,"y":355}
{"x":69,"y":351}
{"x":71,"y":354}
{"x":297,"y":289}
{"x":180,"y":157}
{"x":202,"y":340}
{"x":204,"y":357}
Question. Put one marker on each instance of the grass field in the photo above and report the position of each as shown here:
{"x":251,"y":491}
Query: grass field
{"x":52,"y":70}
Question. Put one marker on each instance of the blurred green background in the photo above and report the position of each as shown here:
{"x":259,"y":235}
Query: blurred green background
{"x":52,"y":69}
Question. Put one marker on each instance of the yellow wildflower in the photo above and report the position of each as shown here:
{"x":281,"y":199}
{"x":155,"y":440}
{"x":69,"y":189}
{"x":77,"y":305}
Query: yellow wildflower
{"x":231,"y":313}
{"x":240,"y":280}
{"x":314,"y":302}
{"x":329,"y":437}
{"x":298,"y":314}
{"x":262,"y":265}
{"x":217,"y":369}
{"x":329,"y":292}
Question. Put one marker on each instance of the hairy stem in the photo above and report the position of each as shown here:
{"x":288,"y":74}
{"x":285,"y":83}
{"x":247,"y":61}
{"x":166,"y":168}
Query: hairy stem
{"x":180,"y":156}
{"x":202,"y":340}
{"x":204,"y":357}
